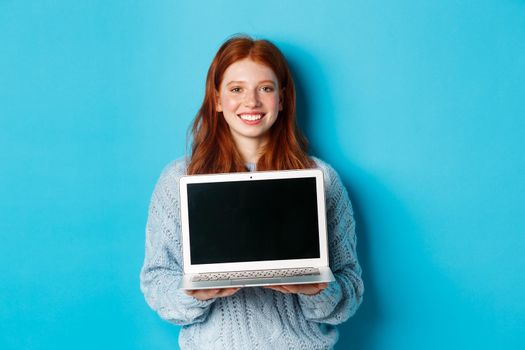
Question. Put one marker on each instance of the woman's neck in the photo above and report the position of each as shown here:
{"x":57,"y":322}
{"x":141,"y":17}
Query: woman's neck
{"x":250,"y":148}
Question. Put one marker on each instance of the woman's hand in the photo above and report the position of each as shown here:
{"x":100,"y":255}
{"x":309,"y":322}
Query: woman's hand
{"x":307,"y":289}
{"x":205,"y":294}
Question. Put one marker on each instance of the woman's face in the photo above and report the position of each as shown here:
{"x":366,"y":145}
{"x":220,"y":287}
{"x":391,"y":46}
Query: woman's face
{"x":249,"y":99}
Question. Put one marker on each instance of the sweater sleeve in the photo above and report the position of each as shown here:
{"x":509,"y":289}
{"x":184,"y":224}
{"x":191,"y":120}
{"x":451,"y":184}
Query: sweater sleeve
{"x":340,"y":300}
{"x":162,"y":271}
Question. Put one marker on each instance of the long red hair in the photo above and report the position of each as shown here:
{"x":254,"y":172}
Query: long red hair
{"x":213,"y":147}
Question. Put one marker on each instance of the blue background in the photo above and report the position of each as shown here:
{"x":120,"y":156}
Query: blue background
{"x":418,"y":104}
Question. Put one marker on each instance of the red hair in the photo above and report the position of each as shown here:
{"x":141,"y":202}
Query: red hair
{"x":213,"y":147}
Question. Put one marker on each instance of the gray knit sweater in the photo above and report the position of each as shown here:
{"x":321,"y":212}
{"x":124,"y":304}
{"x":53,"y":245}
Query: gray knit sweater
{"x":253,"y":318}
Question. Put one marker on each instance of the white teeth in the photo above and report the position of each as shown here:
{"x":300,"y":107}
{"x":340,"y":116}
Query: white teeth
{"x":251,"y":117}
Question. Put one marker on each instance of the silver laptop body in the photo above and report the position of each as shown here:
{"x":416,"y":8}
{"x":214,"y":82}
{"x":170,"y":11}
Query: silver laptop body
{"x":254,"y":229}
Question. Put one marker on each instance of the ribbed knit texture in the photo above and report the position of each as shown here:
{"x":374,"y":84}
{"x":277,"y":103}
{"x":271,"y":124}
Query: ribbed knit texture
{"x":253,"y":318}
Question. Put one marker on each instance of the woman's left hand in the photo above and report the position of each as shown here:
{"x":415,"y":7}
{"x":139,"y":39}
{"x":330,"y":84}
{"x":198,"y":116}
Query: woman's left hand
{"x":307,"y":289}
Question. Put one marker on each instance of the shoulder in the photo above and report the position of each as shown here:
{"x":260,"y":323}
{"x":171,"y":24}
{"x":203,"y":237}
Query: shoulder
{"x":336,"y":193}
{"x":331,"y":177}
{"x":172,"y":172}
{"x":175,"y":168}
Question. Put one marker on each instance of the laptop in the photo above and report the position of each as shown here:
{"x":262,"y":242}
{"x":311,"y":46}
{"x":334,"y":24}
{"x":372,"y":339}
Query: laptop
{"x":254,"y":229}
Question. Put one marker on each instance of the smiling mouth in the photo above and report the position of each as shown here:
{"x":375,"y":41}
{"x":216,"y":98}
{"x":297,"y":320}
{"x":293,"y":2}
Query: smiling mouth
{"x":251,"y":117}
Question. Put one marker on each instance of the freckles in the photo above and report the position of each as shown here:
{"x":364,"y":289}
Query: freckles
{"x":228,"y":102}
{"x":231,"y":103}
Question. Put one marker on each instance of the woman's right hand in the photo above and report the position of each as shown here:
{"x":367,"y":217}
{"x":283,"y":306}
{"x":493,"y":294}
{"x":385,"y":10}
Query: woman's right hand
{"x":205,"y":294}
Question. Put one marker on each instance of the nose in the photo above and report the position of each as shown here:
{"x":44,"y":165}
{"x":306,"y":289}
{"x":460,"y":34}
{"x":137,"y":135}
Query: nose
{"x":251,"y":99}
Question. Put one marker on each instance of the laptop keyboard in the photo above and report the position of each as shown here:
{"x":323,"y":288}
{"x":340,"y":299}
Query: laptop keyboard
{"x":255,"y":274}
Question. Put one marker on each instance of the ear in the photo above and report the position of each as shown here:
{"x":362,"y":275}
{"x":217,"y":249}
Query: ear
{"x":281,"y":99}
{"x":218,"y":102}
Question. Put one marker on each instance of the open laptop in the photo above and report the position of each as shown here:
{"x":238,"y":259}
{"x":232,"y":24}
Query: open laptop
{"x":254,"y":229}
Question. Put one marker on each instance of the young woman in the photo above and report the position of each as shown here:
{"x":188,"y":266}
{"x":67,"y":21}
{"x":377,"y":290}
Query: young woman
{"x":247,"y":122}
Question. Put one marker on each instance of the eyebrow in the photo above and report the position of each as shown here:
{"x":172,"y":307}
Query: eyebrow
{"x":241,"y":82}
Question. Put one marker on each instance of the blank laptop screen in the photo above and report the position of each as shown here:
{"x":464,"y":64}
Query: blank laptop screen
{"x":253,"y":220}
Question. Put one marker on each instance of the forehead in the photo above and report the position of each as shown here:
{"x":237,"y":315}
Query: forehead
{"x":248,"y":70}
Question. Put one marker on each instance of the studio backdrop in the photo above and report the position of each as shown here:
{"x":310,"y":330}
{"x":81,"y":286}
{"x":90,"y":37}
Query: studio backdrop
{"x":419,"y":105}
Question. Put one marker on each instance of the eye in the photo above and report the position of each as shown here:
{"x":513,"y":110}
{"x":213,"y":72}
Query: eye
{"x":235,"y":89}
{"x":267,"y":89}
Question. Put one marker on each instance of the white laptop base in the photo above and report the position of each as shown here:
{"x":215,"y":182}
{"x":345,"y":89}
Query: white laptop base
{"x":242,"y":279}
{"x":254,"y":229}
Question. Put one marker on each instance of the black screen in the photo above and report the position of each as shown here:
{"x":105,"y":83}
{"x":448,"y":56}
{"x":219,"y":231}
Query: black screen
{"x":253,"y":220}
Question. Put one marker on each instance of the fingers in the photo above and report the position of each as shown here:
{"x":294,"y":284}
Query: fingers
{"x":278,"y":289}
{"x":308,"y":289}
{"x":206,"y":294}
{"x":313,"y":289}
{"x":227,"y":292}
